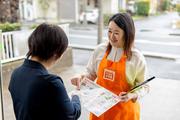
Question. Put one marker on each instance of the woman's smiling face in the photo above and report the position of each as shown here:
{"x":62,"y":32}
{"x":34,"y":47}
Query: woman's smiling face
{"x":115,"y":35}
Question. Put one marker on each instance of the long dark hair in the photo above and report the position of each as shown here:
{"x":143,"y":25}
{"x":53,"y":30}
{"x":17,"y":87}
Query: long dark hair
{"x":46,"y":41}
{"x":125,"y":22}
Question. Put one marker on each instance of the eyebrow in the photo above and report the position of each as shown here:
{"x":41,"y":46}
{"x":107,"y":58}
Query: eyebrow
{"x":114,"y":30}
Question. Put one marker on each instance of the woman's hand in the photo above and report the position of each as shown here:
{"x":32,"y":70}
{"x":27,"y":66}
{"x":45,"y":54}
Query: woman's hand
{"x":124,"y":96}
{"x":77,"y":81}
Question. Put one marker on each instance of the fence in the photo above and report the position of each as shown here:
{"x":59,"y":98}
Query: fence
{"x":1,"y":97}
{"x":7,"y":45}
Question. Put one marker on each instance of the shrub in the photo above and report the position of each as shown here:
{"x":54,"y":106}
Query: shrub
{"x":142,"y":8}
{"x":106,"y":18}
{"x":178,"y":8}
{"x":122,"y":10}
{"x":165,"y":5}
{"x":33,"y":26}
{"x":5,"y":27}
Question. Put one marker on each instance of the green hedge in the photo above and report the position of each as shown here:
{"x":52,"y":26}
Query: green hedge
{"x":106,"y":19}
{"x":5,"y":27}
{"x":178,"y":8}
{"x":33,"y":26}
{"x":165,"y":5}
{"x":142,"y":8}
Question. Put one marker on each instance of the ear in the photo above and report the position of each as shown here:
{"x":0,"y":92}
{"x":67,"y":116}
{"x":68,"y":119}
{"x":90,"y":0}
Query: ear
{"x":56,"y":57}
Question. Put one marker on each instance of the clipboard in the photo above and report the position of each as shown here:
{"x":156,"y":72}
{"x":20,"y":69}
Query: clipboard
{"x":141,"y":84}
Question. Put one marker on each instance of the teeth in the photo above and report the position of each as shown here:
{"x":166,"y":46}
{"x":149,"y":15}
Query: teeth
{"x":114,"y":40}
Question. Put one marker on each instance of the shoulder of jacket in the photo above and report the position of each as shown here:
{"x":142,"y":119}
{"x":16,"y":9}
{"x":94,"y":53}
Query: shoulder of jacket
{"x":137,"y":53}
{"x":53,"y":78}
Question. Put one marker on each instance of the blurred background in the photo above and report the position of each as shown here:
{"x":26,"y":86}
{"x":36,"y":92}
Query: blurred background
{"x":85,"y":22}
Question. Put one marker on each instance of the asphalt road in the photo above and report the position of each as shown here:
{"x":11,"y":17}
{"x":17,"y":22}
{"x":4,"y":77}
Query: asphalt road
{"x":153,"y":34}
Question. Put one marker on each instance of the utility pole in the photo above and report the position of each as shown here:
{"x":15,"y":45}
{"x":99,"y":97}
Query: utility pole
{"x":84,"y":10}
{"x":100,"y":22}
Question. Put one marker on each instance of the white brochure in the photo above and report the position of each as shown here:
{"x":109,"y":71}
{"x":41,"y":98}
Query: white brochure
{"x":95,"y":98}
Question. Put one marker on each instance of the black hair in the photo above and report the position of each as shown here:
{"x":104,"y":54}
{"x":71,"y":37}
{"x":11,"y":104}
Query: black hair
{"x":125,"y":22}
{"x":46,"y":41}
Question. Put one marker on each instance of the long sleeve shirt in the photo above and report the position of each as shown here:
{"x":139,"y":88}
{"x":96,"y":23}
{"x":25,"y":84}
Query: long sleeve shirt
{"x":38,"y":95}
{"x":136,"y":69}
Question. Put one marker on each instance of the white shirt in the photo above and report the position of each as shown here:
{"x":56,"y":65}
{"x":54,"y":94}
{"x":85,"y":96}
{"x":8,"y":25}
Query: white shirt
{"x":136,"y":69}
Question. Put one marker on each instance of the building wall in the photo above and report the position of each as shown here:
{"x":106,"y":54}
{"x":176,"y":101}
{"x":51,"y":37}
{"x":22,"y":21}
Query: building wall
{"x":50,"y":14}
{"x":114,"y":6}
{"x":106,"y":6}
{"x":110,"y":6}
{"x":68,"y":10}
{"x":58,"y":10}
{"x":122,"y":4}
{"x":90,"y":4}
{"x":31,"y":10}
{"x":153,"y":6}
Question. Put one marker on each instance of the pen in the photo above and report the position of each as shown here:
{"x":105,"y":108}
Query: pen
{"x":134,"y":88}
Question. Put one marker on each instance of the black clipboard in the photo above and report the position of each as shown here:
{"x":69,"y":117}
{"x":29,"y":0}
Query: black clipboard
{"x":146,"y":81}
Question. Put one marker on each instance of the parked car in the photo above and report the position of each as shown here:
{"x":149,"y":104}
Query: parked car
{"x":91,"y":16}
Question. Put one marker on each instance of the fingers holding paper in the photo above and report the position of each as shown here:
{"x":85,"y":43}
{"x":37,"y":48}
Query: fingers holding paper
{"x":124,"y":96}
{"x":77,"y":81}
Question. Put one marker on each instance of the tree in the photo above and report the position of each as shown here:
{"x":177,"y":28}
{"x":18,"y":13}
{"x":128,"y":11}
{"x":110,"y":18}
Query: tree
{"x":9,"y":11}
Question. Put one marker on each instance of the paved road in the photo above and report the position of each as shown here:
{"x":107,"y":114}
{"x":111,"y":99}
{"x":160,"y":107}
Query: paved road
{"x":153,"y":35}
{"x":162,"y":68}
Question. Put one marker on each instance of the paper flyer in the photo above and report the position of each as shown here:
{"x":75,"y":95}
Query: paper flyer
{"x":95,"y":98}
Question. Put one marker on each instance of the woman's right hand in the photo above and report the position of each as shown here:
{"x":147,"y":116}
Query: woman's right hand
{"x":77,"y":81}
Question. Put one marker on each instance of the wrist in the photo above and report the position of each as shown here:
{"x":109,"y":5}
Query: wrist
{"x":135,"y":97}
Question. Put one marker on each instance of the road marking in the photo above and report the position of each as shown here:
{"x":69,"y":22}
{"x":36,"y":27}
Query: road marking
{"x":137,"y":41}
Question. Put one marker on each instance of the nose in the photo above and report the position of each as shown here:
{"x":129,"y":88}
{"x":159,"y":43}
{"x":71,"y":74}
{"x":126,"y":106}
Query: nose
{"x":111,"y":35}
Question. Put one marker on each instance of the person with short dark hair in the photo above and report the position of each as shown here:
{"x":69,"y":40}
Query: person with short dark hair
{"x":118,"y":66}
{"x":37,"y":94}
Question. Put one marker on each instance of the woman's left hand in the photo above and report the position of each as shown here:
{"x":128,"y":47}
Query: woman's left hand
{"x":124,"y":96}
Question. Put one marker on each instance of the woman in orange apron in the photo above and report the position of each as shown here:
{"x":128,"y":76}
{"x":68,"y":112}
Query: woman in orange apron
{"x":118,"y":67}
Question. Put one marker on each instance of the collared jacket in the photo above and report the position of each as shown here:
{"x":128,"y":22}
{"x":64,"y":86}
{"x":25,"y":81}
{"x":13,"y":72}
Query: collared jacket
{"x":38,"y":95}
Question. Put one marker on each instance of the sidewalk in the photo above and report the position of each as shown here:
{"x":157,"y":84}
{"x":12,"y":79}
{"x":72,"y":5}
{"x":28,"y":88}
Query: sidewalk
{"x":162,"y":103}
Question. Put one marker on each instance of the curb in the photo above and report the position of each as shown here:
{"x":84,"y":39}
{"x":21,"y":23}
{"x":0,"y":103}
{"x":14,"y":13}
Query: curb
{"x":145,"y":53}
{"x":161,"y":55}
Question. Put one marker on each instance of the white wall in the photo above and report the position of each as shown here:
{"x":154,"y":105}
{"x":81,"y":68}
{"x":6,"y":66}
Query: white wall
{"x":110,"y":6}
{"x":51,"y":13}
{"x":122,"y":4}
{"x":68,"y":10}
{"x":153,"y":7}
{"x":26,"y":10}
{"x":114,"y":6}
{"x":59,"y":11}
{"x":107,"y":6}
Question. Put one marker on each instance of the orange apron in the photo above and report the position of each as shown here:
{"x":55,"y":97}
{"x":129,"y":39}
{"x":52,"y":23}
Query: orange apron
{"x":112,"y":76}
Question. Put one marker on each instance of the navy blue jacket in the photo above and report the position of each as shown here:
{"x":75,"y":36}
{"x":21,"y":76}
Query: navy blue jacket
{"x":38,"y":95}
